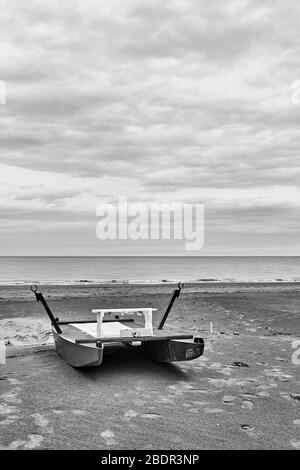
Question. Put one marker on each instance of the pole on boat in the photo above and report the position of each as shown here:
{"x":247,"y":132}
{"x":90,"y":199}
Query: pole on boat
{"x":175,"y":296}
{"x":40,"y":298}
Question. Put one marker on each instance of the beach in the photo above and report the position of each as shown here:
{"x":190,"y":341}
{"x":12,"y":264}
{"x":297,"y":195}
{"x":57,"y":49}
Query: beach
{"x":243,"y":393}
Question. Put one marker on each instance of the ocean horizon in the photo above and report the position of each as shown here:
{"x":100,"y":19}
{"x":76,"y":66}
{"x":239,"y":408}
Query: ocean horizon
{"x":147,"y":269}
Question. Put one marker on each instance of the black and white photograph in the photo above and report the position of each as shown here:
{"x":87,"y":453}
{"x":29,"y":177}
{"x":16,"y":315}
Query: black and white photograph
{"x":149,"y":228}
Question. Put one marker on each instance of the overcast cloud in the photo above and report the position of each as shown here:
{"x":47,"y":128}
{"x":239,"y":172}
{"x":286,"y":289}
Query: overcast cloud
{"x":179,"y":100}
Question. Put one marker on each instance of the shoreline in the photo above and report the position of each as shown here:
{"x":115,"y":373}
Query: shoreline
{"x":136,"y":282}
{"x":14,"y":294}
{"x":24,"y":322}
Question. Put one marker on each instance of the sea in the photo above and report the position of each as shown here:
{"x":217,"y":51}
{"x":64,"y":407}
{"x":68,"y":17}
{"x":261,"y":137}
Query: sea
{"x":157,"y":269}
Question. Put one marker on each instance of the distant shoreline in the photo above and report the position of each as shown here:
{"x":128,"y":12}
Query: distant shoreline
{"x":149,"y":256}
{"x":106,"y":271}
{"x":136,"y":282}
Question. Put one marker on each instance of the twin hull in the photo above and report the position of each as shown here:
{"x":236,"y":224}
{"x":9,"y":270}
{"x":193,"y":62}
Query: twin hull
{"x":89,"y":355}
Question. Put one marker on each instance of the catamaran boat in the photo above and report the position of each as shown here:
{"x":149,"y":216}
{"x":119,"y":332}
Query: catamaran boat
{"x":83,"y":343}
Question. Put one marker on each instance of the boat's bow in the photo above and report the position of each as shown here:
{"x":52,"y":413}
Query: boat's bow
{"x":76,"y":354}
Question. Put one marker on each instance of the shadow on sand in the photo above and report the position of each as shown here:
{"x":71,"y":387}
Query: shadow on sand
{"x":123,"y":362}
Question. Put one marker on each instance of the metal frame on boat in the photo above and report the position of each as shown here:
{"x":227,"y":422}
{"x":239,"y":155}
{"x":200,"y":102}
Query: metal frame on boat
{"x":82,"y":343}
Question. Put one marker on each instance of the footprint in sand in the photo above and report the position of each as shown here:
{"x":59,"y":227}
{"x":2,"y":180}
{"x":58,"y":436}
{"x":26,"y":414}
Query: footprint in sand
{"x":231,"y":382}
{"x":163,"y":400}
{"x":9,"y":420}
{"x":8,"y":409}
{"x":193,"y":410}
{"x":214,"y":410}
{"x":11,"y":397}
{"x":263,"y":394}
{"x":40,"y":420}
{"x":204,"y":392}
{"x":130,"y":414}
{"x":58,"y":412}
{"x":109,"y":437}
{"x":215,"y":365}
{"x":228,"y":399}
{"x":14,"y":381}
{"x":295,"y":444}
{"x":174,"y":389}
{"x":226,"y":371}
{"x":186,"y":386}
{"x":150,"y":416}
{"x":248,"y":395}
{"x":139,"y":402}
{"x":277,"y":374}
{"x":80,"y":412}
{"x":249,"y":430}
{"x":34,"y":441}
{"x":285,"y":395}
{"x":267,"y":386}
{"x":247,"y":405}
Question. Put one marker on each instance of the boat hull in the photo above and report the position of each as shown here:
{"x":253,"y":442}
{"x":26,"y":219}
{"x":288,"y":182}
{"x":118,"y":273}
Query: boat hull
{"x":172,"y":350}
{"x":90,"y":355}
{"x":77,"y":355}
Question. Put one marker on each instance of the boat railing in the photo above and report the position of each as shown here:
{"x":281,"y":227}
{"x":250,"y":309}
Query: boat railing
{"x":134,"y":332}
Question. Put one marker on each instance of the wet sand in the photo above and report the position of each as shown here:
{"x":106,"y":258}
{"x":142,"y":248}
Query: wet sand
{"x":244,"y":393}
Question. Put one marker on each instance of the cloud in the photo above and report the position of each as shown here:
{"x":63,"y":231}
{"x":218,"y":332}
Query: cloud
{"x":181,"y":99}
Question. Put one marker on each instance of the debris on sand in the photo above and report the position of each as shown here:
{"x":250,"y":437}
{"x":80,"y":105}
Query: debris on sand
{"x":240,"y":364}
{"x":246,"y":427}
{"x":295,"y":396}
{"x":228,"y":399}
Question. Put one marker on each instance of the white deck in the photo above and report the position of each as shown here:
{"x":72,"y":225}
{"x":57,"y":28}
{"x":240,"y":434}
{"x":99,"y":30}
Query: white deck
{"x":108,"y":329}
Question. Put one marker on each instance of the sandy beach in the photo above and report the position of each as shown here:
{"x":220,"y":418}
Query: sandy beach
{"x":244,"y":393}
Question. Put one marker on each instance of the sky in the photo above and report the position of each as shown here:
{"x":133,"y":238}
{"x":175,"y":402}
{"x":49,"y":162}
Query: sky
{"x":183,"y":101}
